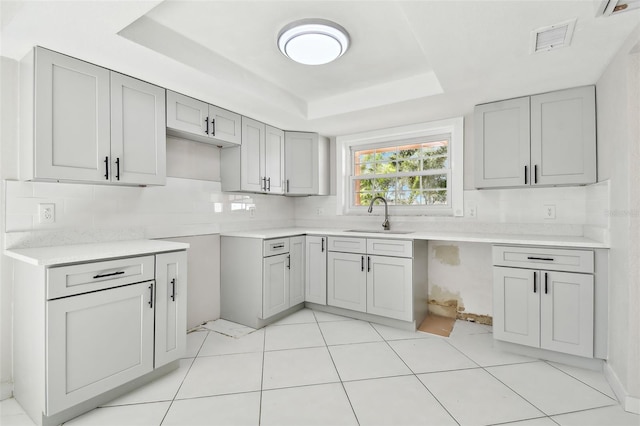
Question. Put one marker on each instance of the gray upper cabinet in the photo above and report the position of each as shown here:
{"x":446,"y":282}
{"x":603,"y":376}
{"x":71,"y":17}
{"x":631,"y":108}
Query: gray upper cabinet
{"x":138,"y":132}
{"x":563,"y":137}
{"x":84,"y":123}
{"x":502,"y":143}
{"x":541,"y":140}
{"x":196,"y":120}
{"x":306,"y":164}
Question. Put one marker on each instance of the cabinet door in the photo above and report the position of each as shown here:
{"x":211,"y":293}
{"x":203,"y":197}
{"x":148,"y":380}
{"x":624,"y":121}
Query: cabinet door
{"x":171,"y":307}
{"x":274,"y":160}
{"x":275,"y":291}
{"x":502,"y":144}
{"x":138,"y":132}
{"x":316,"y":270}
{"x":389,"y":287}
{"x":186,"y":114}
{"x":566,"y":313}
{"x":563,"y":137}
{"x":347,"y":281}
{"x":225,"y":125}
{"x":96,"y":342}
{"x":252,"y":176}
{"x":296,"y":270}
{"x":72,"y":125}
{"x":516,"y":305}
{"x":301,"y":163}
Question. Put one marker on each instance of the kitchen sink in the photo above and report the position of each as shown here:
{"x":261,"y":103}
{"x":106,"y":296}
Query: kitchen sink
{"x":378,"y":231}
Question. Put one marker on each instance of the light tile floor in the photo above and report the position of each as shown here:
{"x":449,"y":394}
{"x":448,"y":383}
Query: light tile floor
{"x":314,"y":368}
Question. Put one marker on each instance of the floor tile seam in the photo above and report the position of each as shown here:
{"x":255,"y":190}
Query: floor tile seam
{"x":292,"y":323}
{"x":523,"y":420}
{"x":293,"y":349}
{"x":264,"y":345}
{"x":339,"y":376}
{"x":398,"y":355}
{"x":584,"y":409}
{"x":216,"y":395}
{"x":581,"y":381}
{"x":355,"y":343}
{"x":193,"y":360}
{"x":201,"y":345}
{"x":231,"y":354}
{"x":517,"y":393}
{"x":306,"y":385}
{"x":436,"y":398}
{"x":464,"y":354}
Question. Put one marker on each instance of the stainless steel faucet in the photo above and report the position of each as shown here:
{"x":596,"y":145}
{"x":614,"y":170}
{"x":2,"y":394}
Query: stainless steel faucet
{"x":385,"y":224}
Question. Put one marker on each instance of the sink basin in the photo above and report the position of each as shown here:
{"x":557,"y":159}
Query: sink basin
{"x":378,"y":231}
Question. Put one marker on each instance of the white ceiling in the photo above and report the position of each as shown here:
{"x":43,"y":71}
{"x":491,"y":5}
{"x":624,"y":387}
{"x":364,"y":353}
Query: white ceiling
{"x":410,"y":61}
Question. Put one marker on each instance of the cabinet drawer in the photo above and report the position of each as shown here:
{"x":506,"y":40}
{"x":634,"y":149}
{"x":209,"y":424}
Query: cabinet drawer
{"x":348,"y":244}
{"x":85,"y":277}
{"x":275,"y":246}
{"x":397,"y":248}
{"x":544,"y":258}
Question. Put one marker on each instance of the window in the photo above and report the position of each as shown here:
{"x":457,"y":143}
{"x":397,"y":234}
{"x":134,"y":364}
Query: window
{"x":417,"y":169}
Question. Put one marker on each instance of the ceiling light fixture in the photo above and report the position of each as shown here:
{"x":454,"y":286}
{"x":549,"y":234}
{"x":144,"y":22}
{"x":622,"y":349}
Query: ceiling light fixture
{"x":313,"y":41}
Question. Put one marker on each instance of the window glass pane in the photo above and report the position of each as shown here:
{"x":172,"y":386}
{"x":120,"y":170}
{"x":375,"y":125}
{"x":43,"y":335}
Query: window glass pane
{"x":385,"y":168}
{"x":434,"y":181}
{"x":435,"y":148}
{"x":384,"y":185}
{"x":431,"y":163}
{"x":365,"y":168}
{"x":408,"y":166}
{"x":436,"y":197}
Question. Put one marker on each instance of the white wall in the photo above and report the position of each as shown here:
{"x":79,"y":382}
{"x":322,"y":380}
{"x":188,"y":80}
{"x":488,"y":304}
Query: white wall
{"x":618,"y":97}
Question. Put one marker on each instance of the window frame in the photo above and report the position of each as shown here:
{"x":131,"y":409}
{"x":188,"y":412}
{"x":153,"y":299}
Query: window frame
{"x":347,"y":144}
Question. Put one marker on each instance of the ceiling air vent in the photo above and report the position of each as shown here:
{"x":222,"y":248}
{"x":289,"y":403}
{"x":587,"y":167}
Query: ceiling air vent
{"x":552,"y":37}
{"x":614,"y":7}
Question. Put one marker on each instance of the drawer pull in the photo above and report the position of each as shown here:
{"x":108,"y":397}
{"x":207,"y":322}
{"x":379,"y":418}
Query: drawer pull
{"x":548,"y":259}
{"x":107,"y":275}
{"x":279,"y":246}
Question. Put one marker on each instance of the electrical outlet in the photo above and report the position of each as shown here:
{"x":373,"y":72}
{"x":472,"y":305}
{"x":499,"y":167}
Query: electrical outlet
{"x":252,"y":211}
{"x":472,"y":212}
{"x":549,"y":211}
{"x":47,"y":213}
{"x":320,"y":211}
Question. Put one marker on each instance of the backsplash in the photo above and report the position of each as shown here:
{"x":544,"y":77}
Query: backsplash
{"x":518,"y":211}
{"x":183,"y":207}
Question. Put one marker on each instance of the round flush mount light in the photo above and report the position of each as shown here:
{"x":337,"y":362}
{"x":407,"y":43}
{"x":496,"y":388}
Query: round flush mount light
{"x":313,"y":41}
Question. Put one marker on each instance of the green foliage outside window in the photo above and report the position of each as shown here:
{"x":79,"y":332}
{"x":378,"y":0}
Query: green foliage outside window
{"x":413,"y":174}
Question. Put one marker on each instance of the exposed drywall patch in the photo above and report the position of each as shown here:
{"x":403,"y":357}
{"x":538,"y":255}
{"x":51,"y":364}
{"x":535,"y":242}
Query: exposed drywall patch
{"x":443,"y":302}
{"x":447,"y":254}
{"x":480,"y":319}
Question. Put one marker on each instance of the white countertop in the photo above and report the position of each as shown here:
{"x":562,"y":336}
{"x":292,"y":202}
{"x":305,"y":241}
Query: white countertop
{"x":58,"y":255}
{"x":537,"y":240}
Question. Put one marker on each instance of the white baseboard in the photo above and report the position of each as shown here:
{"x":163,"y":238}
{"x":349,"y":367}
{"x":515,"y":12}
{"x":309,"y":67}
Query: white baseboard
{"x":6,"y":390}
{"x":629,"y":403}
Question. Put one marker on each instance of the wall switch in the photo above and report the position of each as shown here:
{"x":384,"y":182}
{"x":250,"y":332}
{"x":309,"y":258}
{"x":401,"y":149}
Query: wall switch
{"x":47,"y":213}
{"x":252,"y":211}
{"x":549,"y":211}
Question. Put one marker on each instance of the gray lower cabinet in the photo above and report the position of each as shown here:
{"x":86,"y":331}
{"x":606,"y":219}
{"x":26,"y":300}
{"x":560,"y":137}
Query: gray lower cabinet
{"x":378,"y":277}
{"x":105,"y":324}
{"x":541,"y":140}
{"x":544,"y":298}
{"x":261,"y":278}
{"x":316,"y":269}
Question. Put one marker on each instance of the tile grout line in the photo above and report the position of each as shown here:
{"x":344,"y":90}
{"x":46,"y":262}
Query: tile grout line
{"x":183,"y":379}
{"x":264,"y":345}
{"x":415,"y":375}
{"x":584,"y":383}
{"x":344,"y":389}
